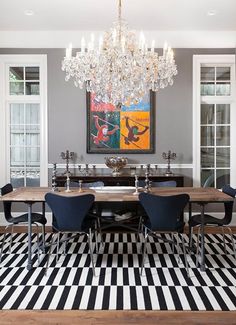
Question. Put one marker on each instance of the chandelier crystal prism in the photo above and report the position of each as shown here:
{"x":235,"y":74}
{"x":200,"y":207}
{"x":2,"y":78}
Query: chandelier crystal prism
{"x":121,"y":68}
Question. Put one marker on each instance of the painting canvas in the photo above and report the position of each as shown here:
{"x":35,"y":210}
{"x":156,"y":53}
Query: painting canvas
{"x":125,"y":128}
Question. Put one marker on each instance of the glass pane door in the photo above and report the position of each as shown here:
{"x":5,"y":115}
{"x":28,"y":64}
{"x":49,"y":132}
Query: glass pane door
{"x":25,"y":144}
{"x":215,"y":145}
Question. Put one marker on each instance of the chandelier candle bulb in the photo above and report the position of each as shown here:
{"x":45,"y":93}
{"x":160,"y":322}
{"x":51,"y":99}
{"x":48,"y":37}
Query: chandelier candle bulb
{"x":141,"y":37}
{"x":100,"y":44}
{"x":82,"y":45}
{"x":165,"y":49}
{"x":123,"y":44}
{"x":142,"y":42}
{"x":114,"y":37}
{"x":153,"y":46}
{"x":69,"y":51}
{"x":92,"y":42}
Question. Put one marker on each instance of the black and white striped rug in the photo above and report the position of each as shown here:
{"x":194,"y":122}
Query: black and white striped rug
{"x":118,"y":285}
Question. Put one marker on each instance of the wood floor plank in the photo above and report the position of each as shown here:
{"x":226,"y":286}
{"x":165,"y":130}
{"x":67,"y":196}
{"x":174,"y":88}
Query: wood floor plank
{"x":209,"y":230}
{"x":117,"y":317}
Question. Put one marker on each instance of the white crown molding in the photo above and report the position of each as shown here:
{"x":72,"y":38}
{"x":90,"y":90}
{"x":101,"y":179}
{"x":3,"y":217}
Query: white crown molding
{"x":61,"y":39}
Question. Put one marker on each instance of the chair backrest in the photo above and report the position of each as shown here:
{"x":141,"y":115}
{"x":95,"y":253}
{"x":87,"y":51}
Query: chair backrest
{"x":86,"y":185}
{"x":69,"y":211}
{"x":159,"y":184}
{"x":227,"y":189}
{"x":163,"y":211}
{"x":7,"y":205}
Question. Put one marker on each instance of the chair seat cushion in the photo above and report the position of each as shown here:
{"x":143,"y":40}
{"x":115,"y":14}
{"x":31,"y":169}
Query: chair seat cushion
{"x":36,"y":217}
{"x":89,"y":222}
{"x":208,"y":220}
{"x":179,"y":227}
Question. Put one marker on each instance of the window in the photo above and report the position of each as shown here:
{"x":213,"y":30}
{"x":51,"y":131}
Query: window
{"x":214,"y":120}
{"x":23,"y":107}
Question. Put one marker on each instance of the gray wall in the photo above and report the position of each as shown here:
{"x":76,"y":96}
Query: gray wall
{"x":67,"y":111}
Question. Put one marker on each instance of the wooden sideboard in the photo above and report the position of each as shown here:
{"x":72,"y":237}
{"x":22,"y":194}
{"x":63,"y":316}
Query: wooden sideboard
{"x":121,"y":180}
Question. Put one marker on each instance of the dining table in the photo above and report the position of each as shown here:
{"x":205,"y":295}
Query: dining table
{"x":199,"y":195}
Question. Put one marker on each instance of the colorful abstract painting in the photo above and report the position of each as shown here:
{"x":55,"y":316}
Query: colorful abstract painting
{"x":127,"y":128}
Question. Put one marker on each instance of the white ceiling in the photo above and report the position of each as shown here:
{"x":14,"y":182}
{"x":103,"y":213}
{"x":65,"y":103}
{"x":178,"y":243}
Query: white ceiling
{"x":174,"y":18}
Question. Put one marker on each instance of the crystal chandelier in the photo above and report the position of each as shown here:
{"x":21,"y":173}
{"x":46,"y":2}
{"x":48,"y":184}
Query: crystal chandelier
{"x":120,"y":68}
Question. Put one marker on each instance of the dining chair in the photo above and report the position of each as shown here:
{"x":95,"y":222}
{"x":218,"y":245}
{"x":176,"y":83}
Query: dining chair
{"x":70,"y":218}
{"x":220,"y":180}
{"x":141,"y":213}
{"x":209,"y":220}
{"x":164,"y":216}
{"x":96,"y":210}
{"x":37,"y":218}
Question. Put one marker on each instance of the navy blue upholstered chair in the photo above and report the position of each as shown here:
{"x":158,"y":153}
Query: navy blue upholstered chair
{"x":95,"y":210}
{"x":153,"y":184}
{"x":70,"y":217}
{"x":164,"y":215}
{"x":210,"y":220}
{"x":37,"y":218}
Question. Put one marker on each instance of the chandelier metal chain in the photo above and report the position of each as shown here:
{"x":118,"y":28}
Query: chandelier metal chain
{"x":120,"y":69}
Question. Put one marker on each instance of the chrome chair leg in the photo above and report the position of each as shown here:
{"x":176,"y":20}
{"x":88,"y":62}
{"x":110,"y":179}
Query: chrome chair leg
{"x":223,"y":233}
{"x":197,"y":251}
{"x":38,"y":243}
{"x":190,"y":238}
{"x":177,"y":244}
{"x":96,"y":237}
{"x":49,"y":252}
{"x":12,"y":228}
{"x":3,"y":242}
{"x":139,"y":230}
{"x":173,"y":245}
{"x":232,"y":240}
{"x":58,"y":245}
{"x":144,"y":251}
{"x":43,"y":238}
{"x":99,"y":229}
{"x":90,"y":249}
{"x":185,"y":256}
{"x":65,"y":243}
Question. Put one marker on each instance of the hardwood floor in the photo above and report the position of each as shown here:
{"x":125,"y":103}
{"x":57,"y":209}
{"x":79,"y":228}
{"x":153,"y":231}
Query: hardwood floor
{"x":116,"y":317}
{"x":210,"y":230}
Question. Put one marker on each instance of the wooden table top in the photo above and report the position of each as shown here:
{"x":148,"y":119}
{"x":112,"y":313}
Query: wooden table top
{"x":197,"y":194}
